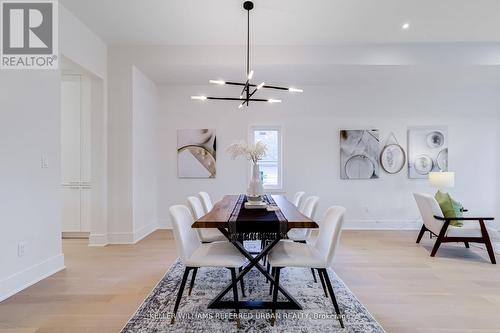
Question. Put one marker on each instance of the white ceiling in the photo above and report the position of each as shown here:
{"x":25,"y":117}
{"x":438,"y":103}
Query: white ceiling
{"x":288,"y":22}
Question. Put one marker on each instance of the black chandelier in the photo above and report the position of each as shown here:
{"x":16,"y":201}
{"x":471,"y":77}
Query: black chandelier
{"x":249,"y":89}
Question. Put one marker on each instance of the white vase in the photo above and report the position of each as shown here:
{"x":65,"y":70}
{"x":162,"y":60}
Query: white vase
{"x":255,"y":187}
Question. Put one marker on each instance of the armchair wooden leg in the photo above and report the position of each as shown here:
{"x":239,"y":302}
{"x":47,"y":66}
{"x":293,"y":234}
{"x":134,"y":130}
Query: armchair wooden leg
{"x":235,"y":295}
{"x":487,"y":242}
{"x":275,"y":293}
{"x":332,"y":295}
{"x":440,"y":237}
{"x":193,"y":277}
{"x":436,"y":246}
{"x":467,"y":244}
{"x":179,"y":293}
{"x":421,"y":233}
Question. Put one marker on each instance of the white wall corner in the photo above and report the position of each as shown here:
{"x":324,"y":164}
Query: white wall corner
{"x":145,"y":231}
{"x":31,"y":275}
{"x":164,"y":224}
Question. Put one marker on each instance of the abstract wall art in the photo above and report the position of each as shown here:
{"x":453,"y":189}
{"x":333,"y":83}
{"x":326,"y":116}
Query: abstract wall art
{"x":427,"y":151}
{"x":359,"y":154}
{"x":392,"y":156}
{"x":196,"y":153}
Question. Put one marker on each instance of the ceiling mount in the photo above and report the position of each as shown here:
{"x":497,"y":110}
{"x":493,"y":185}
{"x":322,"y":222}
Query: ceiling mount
{"x":248,"y":5}
{"x":249,"y":89}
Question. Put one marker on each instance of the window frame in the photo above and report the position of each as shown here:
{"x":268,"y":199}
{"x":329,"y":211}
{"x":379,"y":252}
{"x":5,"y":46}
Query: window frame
{"x":279,"y":129}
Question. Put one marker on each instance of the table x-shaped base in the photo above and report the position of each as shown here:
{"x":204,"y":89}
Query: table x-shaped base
{"x":218,"y":303}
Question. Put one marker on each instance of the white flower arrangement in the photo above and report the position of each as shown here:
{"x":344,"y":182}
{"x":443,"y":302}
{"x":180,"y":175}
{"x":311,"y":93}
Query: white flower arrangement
{"x":253,"y":152}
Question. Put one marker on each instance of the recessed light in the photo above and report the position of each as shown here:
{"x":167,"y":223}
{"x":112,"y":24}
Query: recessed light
{"x":405,"y":26}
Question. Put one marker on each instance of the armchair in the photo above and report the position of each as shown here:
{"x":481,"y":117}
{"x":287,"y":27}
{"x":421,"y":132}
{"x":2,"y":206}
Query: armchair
{"x":474,"y":229}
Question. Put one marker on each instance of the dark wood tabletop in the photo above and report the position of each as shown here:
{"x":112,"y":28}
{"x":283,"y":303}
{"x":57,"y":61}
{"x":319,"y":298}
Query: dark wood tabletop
{"x":218,"y":217}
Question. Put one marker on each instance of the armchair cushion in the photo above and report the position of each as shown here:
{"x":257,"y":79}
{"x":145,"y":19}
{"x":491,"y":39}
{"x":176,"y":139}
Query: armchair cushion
{"x":449,"y":207}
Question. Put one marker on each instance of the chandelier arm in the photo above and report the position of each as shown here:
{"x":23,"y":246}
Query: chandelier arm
{"x":254,"y":85}
{"x":238,"y":99}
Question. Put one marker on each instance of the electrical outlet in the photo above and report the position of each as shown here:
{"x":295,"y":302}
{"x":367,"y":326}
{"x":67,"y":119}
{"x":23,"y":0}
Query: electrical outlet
{"x":44,"y":161}
{"x":21,"y":249}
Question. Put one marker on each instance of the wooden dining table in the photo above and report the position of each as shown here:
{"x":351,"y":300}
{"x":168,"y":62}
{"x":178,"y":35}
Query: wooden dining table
{"x":219,"y":218}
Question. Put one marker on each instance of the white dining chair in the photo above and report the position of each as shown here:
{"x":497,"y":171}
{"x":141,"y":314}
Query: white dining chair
{"x":205,"y":235}
{"x":194,"y":254}
{"x":309,"y":210}
{"x":318,"y":256}
{"x":206,"y":201}
{"x":471,"y":231}
{"x":297,"y":198}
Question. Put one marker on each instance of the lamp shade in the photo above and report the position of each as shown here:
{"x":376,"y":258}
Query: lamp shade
{"x":442,"y":179}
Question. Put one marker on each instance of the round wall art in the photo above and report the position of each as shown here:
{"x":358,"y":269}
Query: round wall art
{"x":359,"y":167}
{"x":392,"y":158}
{"x":423,"y":164}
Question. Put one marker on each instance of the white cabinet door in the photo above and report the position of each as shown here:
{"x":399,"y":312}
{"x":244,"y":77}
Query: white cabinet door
{"x":75,"y":153}
{"x":70,"y":129}
{"x":71,"y":209}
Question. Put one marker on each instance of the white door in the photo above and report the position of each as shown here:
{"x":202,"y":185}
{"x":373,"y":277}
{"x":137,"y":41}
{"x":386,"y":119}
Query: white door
{"x":75,"y":153}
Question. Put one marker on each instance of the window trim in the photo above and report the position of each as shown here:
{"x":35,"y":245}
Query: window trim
{"x":251,"y":138}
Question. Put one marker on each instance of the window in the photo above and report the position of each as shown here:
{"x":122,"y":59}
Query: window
{"x":270,"y":166}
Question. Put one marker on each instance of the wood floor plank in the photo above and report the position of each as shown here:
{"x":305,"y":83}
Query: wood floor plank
{"x":400,"y":284}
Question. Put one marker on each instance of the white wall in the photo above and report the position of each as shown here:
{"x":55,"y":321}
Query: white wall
{"x":311,"y":124}
{"x":81,"y":45}
{"x":144,"y":147}
{"x":29,"y":195}
{"x":132,"y":149}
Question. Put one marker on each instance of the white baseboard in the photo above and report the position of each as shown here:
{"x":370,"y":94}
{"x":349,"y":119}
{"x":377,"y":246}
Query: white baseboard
{"x":382,"y":225}
{"x":121,"y":238}
{"x":31,"y":275}
{"x":132,"y":237}
{"x":98,"y":240}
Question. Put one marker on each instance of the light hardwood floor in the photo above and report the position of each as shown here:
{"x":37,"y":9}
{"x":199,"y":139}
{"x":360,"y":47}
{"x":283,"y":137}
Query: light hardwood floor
{"x":405,"y":289}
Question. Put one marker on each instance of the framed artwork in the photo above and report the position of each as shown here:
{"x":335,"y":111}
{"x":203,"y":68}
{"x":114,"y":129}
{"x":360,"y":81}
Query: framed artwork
{"x":359,"y":154}
{"x":427,"y":151}
{"x":196,"y":153}
{"x":392,"y":156}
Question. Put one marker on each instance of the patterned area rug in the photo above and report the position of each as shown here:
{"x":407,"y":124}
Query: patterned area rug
{"x":154,"y":314}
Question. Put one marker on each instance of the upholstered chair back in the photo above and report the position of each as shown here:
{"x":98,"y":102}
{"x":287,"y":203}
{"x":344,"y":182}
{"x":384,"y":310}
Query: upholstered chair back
{"x":206,"y":201}
{"x":310,"y":205}
{"x":186,"y":238}
{"x":329,"y":233}
{"x":429,"y":207}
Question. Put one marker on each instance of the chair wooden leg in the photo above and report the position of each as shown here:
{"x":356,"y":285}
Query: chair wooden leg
{"x":314,"y":275}
{"x":467,"y":244}
{"x":193,"y":277}
{"x":421,"y":233}
{"x":440,"y":237}
{"x":273,"y":271}
{"x":235,"y":294}
{"x":275,"y":293}
{"x":436,"y":247}
{"x":242,"y":283}
{"x":322,"y":279}
{"x":179,"y":293}
{"x":332,"y":295}
{"x":487,"y":242}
